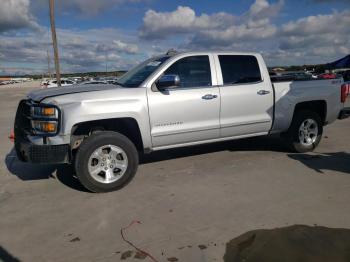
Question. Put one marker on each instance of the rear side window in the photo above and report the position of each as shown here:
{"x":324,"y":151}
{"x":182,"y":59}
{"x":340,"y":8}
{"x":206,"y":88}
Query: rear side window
{"x":239,"y":69}
{"x":194,"y":71}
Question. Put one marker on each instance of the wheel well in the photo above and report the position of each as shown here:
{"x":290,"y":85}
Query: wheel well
{"x":126,"y":126}
{"x":318,"y":106}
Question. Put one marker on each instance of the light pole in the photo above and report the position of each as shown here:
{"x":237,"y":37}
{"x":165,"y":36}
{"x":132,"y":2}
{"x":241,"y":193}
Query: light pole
{"x":54,"y":41}
{"x":48,"y":65}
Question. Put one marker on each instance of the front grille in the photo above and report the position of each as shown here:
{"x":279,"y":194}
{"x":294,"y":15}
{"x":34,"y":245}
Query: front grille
{"x":28,"y":152}
{"x":22,"y":120}
{"x":22,"y":126}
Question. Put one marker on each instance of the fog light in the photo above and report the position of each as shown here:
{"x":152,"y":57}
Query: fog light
{"x":44,"y":127}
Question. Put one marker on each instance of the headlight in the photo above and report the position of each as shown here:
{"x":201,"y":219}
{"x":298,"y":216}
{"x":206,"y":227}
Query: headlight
{"x":44,"y":119}
{"x":38,"y":111}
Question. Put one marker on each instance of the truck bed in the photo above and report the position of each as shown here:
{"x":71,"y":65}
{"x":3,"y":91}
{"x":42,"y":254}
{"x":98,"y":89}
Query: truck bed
{"x":289,"y":93}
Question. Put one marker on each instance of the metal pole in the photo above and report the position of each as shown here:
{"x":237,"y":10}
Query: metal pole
{"x":54,"y":41}
{"x":48,"y":65}
{"x":106,"y":63}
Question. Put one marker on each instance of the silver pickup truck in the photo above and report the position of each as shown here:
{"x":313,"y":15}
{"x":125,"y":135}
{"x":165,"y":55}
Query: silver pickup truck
{"x":174,"y":100}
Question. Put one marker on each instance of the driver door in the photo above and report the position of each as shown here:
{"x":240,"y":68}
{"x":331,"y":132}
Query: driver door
{"x":190,"y":112}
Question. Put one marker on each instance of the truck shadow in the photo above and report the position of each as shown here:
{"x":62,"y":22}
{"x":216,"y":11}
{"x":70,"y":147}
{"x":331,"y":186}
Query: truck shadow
{"x":289,"y":244}
{"x":66,"y":174}
{"x":27,"y":171}
{"x":338,"y":161}
{"x":264,"y":143}
{"x":6,"y":256}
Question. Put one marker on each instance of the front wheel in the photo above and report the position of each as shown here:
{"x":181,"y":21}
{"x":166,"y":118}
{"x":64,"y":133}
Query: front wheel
{"x":305,"y":132}
{"x":106,"y":161}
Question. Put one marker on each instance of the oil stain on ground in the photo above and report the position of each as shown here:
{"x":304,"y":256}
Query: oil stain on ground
{"x":140,"y":255}
{"x":289,"y":244}
{"x":76,"y":239}
{"x":201,"y":247}
{"x":126,"y":254}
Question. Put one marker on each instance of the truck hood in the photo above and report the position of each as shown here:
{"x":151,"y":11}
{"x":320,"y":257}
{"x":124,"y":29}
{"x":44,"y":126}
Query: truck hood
{"x":39,"y":95}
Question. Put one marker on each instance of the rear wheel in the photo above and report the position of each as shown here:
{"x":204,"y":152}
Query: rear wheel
{"x":106,"y":161}
{"x":305,"y":132}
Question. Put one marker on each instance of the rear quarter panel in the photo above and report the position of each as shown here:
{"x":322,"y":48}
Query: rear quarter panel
{"x":289,"y":94}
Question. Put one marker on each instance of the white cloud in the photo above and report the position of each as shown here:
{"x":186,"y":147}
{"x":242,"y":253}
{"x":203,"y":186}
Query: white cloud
{"x":217,"y":29}
{"x":320,"y":38}
{"x":320,"y":24}
{"x":262,"y":9}
{"x":125,"y":47}
{"x":79,"y":50}
{"x":158,"y":25}
{"x":15,"y":14}
{"x":312,"y":39}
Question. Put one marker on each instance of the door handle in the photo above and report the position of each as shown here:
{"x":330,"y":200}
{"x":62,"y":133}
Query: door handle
{"x":263,"y":92}
{"x":209,"y":97}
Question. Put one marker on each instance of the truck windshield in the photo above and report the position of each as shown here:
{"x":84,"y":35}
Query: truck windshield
{"x":138,"y":74}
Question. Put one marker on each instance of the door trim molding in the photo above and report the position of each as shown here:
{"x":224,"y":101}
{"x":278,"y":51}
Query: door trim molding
{"x":184,"y":132}
{"x":245,"y":123}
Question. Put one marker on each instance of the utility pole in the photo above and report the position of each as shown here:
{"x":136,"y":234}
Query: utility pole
{"x":106,"y":62}
{"x":54,"y":41}
{"x":48,"y":65}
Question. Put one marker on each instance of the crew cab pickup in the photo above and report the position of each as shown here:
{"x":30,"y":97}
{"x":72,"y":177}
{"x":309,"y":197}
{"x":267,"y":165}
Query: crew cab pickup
{"x":173,"y":100}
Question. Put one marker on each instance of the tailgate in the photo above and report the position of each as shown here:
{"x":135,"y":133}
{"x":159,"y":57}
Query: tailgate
{"x":346,"y":94}
{"x":345,"y":99}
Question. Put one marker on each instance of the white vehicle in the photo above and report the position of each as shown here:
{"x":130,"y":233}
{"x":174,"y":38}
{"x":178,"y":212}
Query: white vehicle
{"x":174,"y":100}
{"x":94,"y":82}
{"x":53,"y":83}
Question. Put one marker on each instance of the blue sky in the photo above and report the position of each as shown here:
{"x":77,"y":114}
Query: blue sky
{"x":122,"y":33}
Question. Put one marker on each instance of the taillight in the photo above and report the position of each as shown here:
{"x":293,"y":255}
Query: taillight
{"x":345,"y":91}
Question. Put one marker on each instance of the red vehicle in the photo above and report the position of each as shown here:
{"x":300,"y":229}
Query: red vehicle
{"x":327,"y":76}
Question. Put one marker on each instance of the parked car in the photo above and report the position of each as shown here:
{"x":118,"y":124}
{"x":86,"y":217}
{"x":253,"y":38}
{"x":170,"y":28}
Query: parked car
{"x":94,"y":83}
{"x":328,"y":76}
{"x":64,"y":82}
{"x":44,"y":83}
{"x":174,"y":100}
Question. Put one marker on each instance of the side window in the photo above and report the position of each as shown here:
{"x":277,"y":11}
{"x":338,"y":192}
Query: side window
{"x":194,"y":71}
{"x":239,"y":69}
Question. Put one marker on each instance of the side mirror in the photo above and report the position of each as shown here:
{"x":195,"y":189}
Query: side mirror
{"x":168,"y":81}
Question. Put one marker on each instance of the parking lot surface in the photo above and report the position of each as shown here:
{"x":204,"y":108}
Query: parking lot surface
{"x":190,"y":202}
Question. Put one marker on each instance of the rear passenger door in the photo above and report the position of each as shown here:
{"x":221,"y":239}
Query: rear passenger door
{"x":246,"y":97}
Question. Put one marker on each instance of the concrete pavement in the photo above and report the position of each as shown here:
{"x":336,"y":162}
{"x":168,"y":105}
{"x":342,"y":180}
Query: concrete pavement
{"x":190,"y":201}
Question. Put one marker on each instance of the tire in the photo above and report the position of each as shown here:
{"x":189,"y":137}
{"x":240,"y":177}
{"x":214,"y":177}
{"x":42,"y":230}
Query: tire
{"x":294,"y":136}
{"x":109,"y":151}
